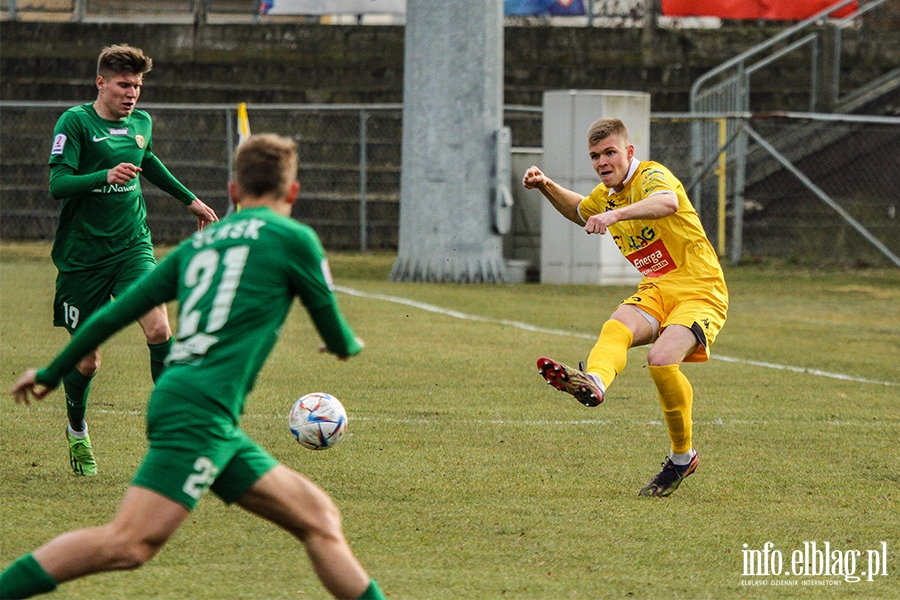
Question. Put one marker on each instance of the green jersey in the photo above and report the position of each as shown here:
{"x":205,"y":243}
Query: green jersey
{"x":234,"y":282}
{"x":98,"y":220}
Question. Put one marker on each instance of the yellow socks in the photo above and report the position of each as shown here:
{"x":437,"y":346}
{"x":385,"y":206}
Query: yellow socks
{"x":610,"y":353}
{"x":607,"y":360}
{"x":676,"y":397}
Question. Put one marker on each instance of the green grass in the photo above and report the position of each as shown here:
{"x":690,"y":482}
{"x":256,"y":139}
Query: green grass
{"x":465,"y":476}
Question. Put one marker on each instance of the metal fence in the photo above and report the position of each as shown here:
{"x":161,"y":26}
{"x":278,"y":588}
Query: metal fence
{"x":808,"y":188}
{"x":350,"y":165}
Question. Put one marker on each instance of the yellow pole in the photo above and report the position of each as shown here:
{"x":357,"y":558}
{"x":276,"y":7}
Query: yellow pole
{"x":722,"y":188}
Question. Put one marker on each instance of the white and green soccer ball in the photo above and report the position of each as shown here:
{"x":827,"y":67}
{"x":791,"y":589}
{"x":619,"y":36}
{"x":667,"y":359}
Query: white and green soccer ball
{"x":318,"y":421}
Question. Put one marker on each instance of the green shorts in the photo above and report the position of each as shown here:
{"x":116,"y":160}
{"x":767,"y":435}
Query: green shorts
{"x":79,"y":294}
{"x":192,"y":450}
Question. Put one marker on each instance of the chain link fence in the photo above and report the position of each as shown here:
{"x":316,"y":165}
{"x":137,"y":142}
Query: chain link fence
{"x":349,"y":171}
{"x":350,"y":167}
{"x":805,"y":188}
{"x":808,"y":189}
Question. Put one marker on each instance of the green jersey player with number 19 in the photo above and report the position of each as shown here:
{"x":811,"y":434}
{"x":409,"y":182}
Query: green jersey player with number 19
{"x":235,"y":283}
{"x":102,"y":242}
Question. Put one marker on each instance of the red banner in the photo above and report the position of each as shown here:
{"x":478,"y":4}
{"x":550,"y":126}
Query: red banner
{"x":770,"y":10}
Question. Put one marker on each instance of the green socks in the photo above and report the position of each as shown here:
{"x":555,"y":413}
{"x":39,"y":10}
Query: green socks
{"x":25,"y":578}
{"x":158,"y":354}
{"x":373,"y":592}
{"x":77,"y":387}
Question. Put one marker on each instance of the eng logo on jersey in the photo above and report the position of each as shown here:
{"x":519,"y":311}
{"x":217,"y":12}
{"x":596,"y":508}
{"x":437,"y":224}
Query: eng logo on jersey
{"x":140,"y":141}
{"x":59,"y":142}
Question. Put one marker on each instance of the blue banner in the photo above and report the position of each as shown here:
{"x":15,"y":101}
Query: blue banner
{"x":323,"y":7}
{"x":543,"y":7}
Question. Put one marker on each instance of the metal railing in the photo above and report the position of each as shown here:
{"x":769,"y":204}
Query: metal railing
{"x":727,"y":87}
{"x":794,"y":185}
{"x":727,"y":90}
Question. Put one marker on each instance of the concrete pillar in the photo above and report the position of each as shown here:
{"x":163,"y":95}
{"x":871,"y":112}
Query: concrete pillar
{"x":452,"y":121}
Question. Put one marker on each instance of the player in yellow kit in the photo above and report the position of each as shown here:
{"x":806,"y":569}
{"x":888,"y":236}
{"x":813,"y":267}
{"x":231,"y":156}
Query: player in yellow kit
{"x":680,"y":304}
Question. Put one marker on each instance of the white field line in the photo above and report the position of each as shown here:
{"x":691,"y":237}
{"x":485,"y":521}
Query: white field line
{"x":527,"y":327}
{"x":443,"y":420}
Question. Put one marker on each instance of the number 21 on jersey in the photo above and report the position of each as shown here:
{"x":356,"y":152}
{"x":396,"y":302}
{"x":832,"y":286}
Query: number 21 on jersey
{"x":199,"y":278}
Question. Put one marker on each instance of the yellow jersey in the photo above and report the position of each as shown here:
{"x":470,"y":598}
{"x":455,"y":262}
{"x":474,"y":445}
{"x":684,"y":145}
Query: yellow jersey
{"x":672,"y":249}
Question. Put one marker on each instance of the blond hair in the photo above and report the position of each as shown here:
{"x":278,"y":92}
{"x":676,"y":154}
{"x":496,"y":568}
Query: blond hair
{"x":122,"y":59}
{"x":603,"y":128}
{"x":265,"y":165}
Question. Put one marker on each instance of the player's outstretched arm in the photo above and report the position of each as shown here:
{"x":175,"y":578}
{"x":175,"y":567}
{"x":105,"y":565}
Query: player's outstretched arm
{"x":28,"y":384}
{"x":205,"y":215}
{"x":339,"y":338}
{"x":157,"y":173}
{"x":563,"y":200}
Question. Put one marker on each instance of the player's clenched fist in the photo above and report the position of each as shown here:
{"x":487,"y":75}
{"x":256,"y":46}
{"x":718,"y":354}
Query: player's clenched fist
{"x":534,"y":178}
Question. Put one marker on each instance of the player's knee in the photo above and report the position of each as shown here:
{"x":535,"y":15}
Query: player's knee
{"x":323,"y":518}
{"x":156,"y":326}
{"x":658,"y":359}
{"x":132,"y":557}
{"x":661,"y":356}
{"x":140,"y":551}
{"x":89,"y":365}
{"x":158,"y":333}
{"x":128,"y":551}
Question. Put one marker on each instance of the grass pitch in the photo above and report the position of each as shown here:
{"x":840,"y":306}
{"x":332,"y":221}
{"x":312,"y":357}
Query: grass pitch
{"x":463,"y":475}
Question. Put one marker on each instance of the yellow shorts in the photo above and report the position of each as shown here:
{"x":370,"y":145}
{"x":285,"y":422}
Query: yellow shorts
{"x":699,"y":306}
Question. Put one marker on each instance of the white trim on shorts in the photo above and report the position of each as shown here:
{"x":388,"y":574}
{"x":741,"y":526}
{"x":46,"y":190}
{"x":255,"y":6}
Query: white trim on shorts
{"x":654,"y":322}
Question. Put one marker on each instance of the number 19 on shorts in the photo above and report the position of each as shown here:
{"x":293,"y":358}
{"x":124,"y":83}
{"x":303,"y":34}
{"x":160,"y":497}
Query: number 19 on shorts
{"x":71,"y":314}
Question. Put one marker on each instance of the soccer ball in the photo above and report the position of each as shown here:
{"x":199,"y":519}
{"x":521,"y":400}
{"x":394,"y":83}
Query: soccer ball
{"x":318,"y":421}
